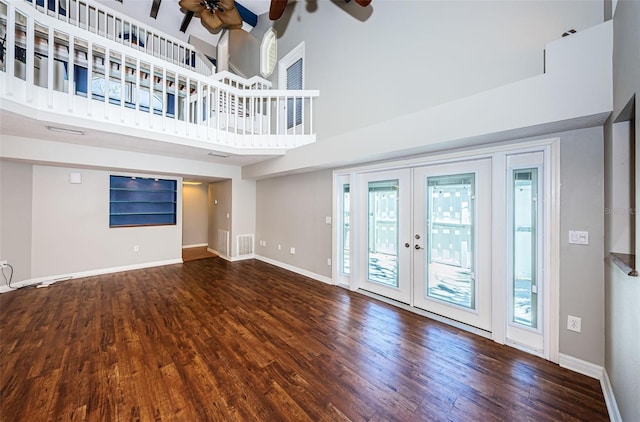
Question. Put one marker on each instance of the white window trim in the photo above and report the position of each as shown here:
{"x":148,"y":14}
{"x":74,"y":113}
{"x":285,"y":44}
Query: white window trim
{"x":293,"y":56}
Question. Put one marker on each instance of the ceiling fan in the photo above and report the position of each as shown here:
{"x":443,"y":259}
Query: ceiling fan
{"x":214,"y":14}
{"x":222,"y":14}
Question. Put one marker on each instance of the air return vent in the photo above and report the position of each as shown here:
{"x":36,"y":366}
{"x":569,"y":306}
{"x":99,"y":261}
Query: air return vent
{"x":223,"y":242}
{"x":245,"y":244}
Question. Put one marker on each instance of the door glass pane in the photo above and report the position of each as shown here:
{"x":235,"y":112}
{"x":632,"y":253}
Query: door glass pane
{"x":346,"y":227}
{"x":524,"y":247}
{"x":382,"y":255}
{"x":450,"y":233}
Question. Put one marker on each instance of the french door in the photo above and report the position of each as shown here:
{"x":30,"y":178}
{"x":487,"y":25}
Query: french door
{"x":452,"y":241}
{"x":428,"y":238}
{"x":470,"y":240}
{"x":385,"y":199}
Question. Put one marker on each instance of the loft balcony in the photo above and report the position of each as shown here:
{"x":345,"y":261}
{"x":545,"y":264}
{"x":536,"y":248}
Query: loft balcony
{"x":79,"y":64}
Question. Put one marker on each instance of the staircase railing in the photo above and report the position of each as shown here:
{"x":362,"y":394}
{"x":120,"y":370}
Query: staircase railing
{"x":51,"y":66}
{"x":105,"y":22}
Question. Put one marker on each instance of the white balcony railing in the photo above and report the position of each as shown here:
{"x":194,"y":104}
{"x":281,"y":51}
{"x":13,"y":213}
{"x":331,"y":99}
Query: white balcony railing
{"x":50,"y":65}
{"x":99,"y":19}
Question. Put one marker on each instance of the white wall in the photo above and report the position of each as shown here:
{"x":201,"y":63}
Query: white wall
{"x":15,"y":218}
{"x":70,"y":227}
{"x":411,"y":55}
{"x":195,"y":220}
{"x":576,"y":94}
{"x":622,"y":346}
{"x":243,"y":205}
{"x":220,"y":212}
{"x":582,"y":267}
{"x":291,"y":212}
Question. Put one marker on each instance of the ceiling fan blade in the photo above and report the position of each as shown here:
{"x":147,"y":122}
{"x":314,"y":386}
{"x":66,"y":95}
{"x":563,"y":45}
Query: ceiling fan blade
{"x":277,"y":9}
{"x":211,"y":21}
{"x":192,"y":5}
{"x":363,"y":3}
{"x":229,"y":15}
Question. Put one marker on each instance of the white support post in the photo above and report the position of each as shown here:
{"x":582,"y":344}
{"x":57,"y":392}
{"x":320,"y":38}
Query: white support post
{"x":123,"y":92}
{"x":50,"y":63}
{"x":218,"y":110}
{"x":310,"y":115}
{"x":107,"y":81}
{"x":89,"y":76}
{"x":10,"y":46}
{"x":137,"y":97}
{"x":198,"y":108}
{"x":278,"y":116}
{"x":209,"y":109}
{"x":71,"y":75}
{"x":164,"y":103}
{"x":152,"y":85}
{"x":187,"y":106}
{"x":30,"y":60}
{"x":176,"y":92}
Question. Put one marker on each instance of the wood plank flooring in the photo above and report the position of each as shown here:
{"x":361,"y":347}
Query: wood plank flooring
{"x":198,"y":252}
{"x":210,"y":340}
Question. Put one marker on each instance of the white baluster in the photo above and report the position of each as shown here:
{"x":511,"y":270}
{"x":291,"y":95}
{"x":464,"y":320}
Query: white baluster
{"x":50,"y":63}
{"x":71,"y":75}
{"x":107,"y":81}
{"x":30,"y":60}
{"x":89,"y":77}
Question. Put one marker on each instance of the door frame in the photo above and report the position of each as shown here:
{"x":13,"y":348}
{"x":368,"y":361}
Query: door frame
{"x":479,"y":316}
{"x":498,"y":154}
{"x":404,"y":291}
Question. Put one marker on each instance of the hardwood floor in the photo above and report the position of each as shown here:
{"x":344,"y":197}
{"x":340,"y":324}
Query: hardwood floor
{"x":210,"y":340}
{"x":198,"y":252}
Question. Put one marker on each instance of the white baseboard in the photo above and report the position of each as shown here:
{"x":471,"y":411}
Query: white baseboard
{"x":609,"y":398}
{"x":581,"y":366}
{"x":196,"y":245}
{"x":49,"y":280}
{"x":598,"y":372}
{"x":296,"y":270}
{"x":233,"y":258}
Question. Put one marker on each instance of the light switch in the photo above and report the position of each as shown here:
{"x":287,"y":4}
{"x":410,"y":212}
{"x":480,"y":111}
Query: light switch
{"x":578,"y":237}
{"x":327,"y":220}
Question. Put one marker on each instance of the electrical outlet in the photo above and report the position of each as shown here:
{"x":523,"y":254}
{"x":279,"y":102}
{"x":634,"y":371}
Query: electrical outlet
{"x":293,"y":251}
{"x":574,"y":324}
{"x":578,"y":237}
{"x":279,"y":247}
{"x":136,"y":248}
{"x":329,"y":261}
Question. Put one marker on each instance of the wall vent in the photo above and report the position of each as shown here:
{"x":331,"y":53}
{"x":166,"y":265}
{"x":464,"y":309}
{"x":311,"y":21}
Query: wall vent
{"x":245,"y":244}
{"x":223,"y":242}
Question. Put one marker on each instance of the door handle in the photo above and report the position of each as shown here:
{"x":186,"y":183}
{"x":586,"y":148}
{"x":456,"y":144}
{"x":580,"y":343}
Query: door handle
{"x":418,"y":247}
